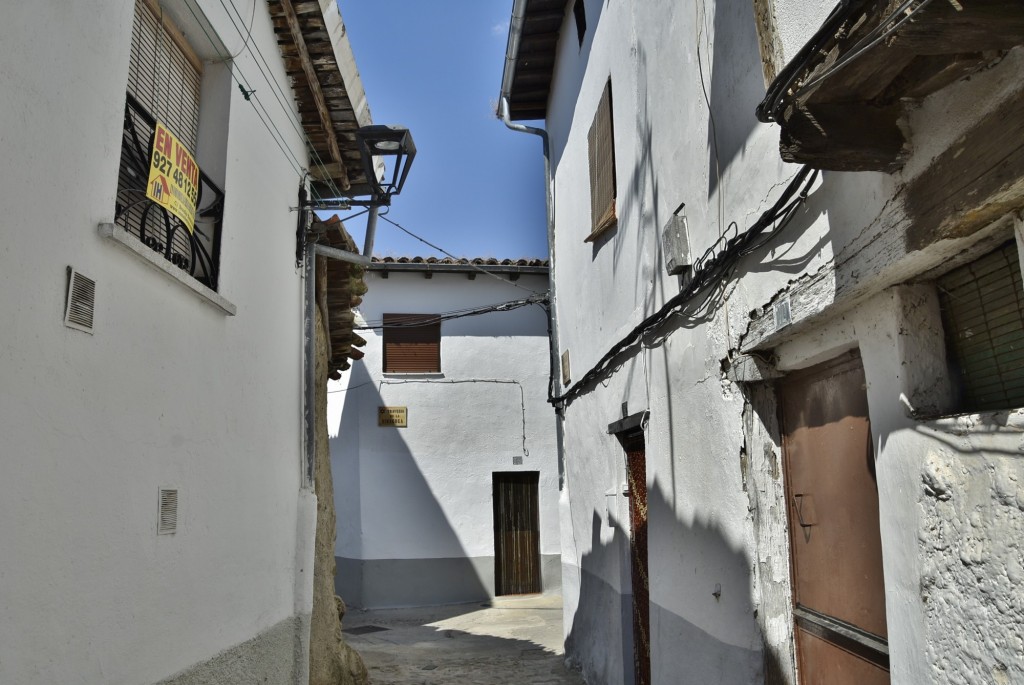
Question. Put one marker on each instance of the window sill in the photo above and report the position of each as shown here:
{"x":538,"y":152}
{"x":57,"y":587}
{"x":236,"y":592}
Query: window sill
{"x":132,"y":244}
{"x":966,"y":423}
{"x":411,"y":374}
{"x":605,"y":226}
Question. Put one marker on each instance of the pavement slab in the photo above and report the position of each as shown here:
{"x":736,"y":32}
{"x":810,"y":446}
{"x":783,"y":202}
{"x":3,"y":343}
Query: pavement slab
{"x":509,"y":640}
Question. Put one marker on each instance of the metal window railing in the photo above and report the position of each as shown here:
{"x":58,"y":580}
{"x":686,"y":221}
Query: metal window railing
{"x":198,"y":252}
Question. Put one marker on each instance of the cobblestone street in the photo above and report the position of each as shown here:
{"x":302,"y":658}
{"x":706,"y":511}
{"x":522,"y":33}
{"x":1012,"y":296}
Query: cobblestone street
{"x":505,"y":641}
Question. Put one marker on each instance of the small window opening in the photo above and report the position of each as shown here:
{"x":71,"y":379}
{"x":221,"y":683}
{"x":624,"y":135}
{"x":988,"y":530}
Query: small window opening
{"x":579,"y":11}
{"x":983,"y":316}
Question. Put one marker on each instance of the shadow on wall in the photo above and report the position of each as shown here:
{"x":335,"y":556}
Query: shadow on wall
{"x":571,"y":76}
{"x":736,"y":83}
{"x":384,"y":497}
{"x":688,"y":564}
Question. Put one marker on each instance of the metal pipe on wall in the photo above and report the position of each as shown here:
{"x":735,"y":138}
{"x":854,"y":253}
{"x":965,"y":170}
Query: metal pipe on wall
{"x":371,"y":231}
{"x":310,"y":360}
{"x":342,"y":255}
{"x":554,"y":385}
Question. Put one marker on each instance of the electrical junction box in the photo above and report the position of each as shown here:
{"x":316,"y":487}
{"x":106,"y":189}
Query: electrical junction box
{"x":675,"y":244}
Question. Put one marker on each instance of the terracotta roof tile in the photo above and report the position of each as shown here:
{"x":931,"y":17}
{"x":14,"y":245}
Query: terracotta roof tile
{"x":479,"y":261}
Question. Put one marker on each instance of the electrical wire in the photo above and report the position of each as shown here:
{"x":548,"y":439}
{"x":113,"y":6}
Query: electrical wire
{"x":710,"y":273}
{"x":449,"y":254}
{"x":872,"y":39}
{"x":243,"y":83}
{"x":711,"y":115}
{"x":250,"y":95}
{"x":248,"y":31}
{"x":430,"y":320}
{"x":276,"y":89}
{"x":452,"y":381}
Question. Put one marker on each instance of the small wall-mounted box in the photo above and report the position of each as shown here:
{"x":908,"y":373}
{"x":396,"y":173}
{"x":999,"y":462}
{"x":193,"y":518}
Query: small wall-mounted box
{"x":675,"y":245}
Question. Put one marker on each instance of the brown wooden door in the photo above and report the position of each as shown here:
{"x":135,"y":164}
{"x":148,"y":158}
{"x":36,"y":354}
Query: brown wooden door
{"x":838,"y":586}
{"x":636,"y":462}
{"x":516,"y":533}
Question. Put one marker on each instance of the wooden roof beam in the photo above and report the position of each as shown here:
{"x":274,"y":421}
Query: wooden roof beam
{"x":314,"y":88}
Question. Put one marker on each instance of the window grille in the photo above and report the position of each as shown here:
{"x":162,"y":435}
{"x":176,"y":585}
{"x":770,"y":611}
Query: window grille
{"x":412,"y":343}
{"x":601,"y":147}
{"x":983,"y":315}
{"x":164,"y":78}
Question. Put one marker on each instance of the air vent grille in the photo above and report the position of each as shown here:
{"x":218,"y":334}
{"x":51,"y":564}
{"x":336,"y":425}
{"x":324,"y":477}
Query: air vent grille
{"x":517,"y":461}
{"x":783,"y":315}
{"x":168,"y":512}
{"x":81,"y":301}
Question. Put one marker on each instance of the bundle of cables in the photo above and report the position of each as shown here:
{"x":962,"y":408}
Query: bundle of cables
{"x":418,"y":321}
{"x":710,"y":272}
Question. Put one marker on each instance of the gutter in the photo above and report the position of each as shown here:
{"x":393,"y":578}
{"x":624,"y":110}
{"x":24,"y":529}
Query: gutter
{"x":515,"y":32}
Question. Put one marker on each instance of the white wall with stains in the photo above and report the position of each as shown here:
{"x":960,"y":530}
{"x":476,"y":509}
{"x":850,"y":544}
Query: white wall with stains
{"x":717,"y":509}
{"x":415,"y":524}
{"x":168,"y":391}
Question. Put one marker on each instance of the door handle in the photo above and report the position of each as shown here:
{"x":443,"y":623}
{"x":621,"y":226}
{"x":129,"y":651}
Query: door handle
{"x":798,"y":506}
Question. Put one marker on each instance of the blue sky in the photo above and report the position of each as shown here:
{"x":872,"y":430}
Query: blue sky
{"x":476,"y":189}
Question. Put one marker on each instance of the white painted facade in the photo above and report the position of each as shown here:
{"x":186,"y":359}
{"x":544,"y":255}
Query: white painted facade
{"x":414,"y":504}
{"x":951,"y":504}
{"x":171,"y":390}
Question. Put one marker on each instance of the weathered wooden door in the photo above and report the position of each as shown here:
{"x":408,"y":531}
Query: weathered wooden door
{"x":516,"y":533}
{"x":636,"y":463}
{"x":838,"y":585}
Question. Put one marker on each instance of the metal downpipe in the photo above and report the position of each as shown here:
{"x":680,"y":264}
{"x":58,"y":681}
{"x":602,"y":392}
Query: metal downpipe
{"x":554,"y":383}
{"x":310,"y":360}
{"x":371,"y":232}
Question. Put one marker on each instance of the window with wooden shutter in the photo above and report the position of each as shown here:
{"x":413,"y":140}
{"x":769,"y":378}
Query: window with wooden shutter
{"x":164,"y":73}
{"x":412,"y":343}
{"x":983,"y":315}
{"x":164,"y":81}
{"x":601,"y":147}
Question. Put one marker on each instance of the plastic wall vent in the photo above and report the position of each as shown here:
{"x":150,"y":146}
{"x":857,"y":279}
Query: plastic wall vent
{"x":168,"y":522}
{"x":81,"y":301}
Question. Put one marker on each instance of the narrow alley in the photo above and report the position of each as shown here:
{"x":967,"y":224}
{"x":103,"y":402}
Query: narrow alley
{"x":504,"y":641}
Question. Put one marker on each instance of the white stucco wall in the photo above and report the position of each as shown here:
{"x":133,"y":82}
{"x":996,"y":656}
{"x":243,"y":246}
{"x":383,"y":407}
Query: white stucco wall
{"x":797,"y":20}
{"x":167,"y":392}
{"x":424,"y":492}
{"x":710,"y":455}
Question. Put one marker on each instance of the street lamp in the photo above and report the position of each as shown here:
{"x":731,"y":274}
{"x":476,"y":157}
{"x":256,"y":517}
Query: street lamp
{"x":382,"y":148}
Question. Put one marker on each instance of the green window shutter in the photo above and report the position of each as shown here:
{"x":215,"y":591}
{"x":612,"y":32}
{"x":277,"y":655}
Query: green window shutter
{"x":983,"y":315}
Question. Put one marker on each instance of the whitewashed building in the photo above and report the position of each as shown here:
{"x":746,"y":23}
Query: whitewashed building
{"x":446,"y":478}
{"x":157,"y":514}
{"x":790,"y":401}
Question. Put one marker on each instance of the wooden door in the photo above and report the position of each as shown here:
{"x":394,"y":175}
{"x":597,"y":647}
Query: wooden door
{"x":838,"y":585}
{"x":516,"y":533}
{"x":636,"y":463}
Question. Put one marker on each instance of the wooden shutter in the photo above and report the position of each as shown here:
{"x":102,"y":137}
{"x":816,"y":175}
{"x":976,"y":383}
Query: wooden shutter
{"x":164,"y":73}
{"x":412,"y":343}
{"x":601,"y":147}
{"x":983,"y":314}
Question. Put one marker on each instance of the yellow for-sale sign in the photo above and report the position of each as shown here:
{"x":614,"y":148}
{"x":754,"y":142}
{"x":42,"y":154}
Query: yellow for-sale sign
{"x":173,"y":177}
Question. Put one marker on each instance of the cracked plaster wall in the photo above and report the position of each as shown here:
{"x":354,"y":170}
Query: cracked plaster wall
{"x":717,"y":508}
{"x":971,"y":504}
